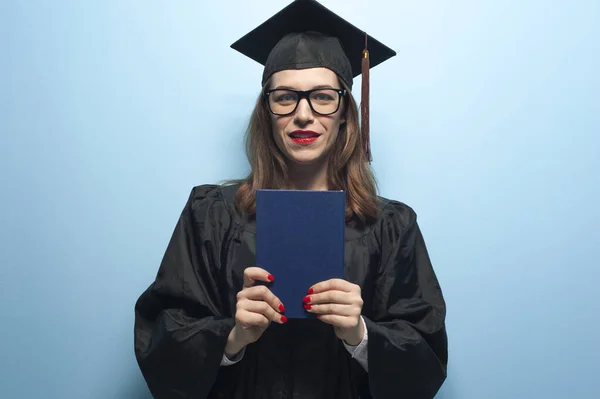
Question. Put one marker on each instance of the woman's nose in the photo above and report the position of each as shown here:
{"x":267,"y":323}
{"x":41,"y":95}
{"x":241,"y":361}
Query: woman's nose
{"x":304,"y":113}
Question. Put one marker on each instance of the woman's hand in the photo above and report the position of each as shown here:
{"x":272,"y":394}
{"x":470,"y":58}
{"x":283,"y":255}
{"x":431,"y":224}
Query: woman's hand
{"x":339,"y":303}
{"x":256,"y":308}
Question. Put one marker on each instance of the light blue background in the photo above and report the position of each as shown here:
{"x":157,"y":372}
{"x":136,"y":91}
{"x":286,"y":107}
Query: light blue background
{"x":487,"y":123}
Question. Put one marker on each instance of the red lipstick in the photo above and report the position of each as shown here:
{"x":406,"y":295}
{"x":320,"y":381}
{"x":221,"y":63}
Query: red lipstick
{"x":304,"y":137}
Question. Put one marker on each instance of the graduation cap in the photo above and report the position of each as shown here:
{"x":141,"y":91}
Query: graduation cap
{"x":304,"y":35}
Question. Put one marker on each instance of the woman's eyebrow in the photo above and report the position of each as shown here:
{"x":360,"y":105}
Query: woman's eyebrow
{"x":284,"y":87}
{"x":323,"y":87}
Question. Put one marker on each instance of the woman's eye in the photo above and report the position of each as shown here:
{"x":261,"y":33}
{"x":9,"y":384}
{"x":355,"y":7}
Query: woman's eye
{"x":285,"y":98}
{"x":323,"y":97}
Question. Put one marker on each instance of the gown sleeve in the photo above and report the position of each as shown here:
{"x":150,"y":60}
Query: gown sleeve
{"x":407,"y":344}
{"x":180,"y":328}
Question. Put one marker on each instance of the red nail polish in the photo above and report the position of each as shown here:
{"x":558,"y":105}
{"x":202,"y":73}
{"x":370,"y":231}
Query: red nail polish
{"x":270,"y":277}
{"x":311,"y":291}
{"x":281,"y":308}
{"x":307,"y":307}
{"x":306,"y":299}
{"x":283,"y":319}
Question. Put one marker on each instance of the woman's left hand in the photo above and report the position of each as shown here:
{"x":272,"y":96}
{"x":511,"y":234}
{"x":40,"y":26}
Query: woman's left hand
{"x":339,"y":303}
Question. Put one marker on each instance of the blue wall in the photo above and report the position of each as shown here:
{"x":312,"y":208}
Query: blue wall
{"x":487,"y":123}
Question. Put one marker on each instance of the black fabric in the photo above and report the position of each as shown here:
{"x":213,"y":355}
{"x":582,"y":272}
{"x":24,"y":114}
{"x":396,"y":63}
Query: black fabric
{"x":308,"y":50}
{"x":183,"y":319}
{"x":287,"y":40}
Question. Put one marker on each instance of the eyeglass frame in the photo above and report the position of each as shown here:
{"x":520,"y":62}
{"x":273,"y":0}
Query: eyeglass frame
{"x":305,"y":94}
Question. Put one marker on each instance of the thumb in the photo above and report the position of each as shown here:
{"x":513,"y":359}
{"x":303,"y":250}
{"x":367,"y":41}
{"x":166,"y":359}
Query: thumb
{"x":254,"y":274}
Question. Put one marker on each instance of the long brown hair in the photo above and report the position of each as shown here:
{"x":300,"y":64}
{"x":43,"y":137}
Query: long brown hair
{"x":348,"y":167}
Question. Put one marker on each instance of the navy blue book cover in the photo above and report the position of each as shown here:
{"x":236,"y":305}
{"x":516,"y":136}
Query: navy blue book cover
{"x":300,"y":241}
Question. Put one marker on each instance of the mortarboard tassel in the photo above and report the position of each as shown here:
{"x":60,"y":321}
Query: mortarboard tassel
{"x":364,"y":106}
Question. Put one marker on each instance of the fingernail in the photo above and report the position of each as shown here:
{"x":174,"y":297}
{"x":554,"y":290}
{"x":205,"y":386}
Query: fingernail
{"x":311,"y":291}
{"x":307,"y":307}
{"x":283,"y":319}
{"x":306,"y":299}
{"x":270,"y":277}
{"x":281,"y":308}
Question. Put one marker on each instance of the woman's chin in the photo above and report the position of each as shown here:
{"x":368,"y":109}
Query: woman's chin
{"x":305,"y":157}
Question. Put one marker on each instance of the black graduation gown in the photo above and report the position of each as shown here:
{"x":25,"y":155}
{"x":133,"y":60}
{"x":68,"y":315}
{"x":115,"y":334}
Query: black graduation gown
{"x":183,"y":319}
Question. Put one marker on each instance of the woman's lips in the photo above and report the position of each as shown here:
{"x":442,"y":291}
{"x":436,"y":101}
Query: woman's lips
{"x":304,"y":140}
{"x":304,"y":137}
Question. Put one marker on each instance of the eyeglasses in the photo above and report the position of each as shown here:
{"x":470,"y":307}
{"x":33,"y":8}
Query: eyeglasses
{"x":284,"y":102}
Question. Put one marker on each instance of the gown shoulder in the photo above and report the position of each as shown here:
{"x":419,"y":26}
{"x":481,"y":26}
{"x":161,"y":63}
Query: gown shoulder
{"x":396,"y":211}
{"x":214,"y":205}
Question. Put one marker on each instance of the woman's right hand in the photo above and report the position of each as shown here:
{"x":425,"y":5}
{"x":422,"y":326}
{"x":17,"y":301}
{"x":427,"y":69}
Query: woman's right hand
{"x":256,"y":308}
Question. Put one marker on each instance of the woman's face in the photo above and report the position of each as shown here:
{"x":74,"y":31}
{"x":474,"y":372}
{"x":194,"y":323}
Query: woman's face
{"x":306,"y":137}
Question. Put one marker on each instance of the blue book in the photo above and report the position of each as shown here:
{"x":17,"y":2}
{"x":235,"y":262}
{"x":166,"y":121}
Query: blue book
{"x":300,"y":241}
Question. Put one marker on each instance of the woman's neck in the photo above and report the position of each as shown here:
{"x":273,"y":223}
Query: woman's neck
{"x":307,"y":177}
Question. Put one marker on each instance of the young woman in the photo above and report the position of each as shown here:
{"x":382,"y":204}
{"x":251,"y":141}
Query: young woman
{"x":204,"y":328}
